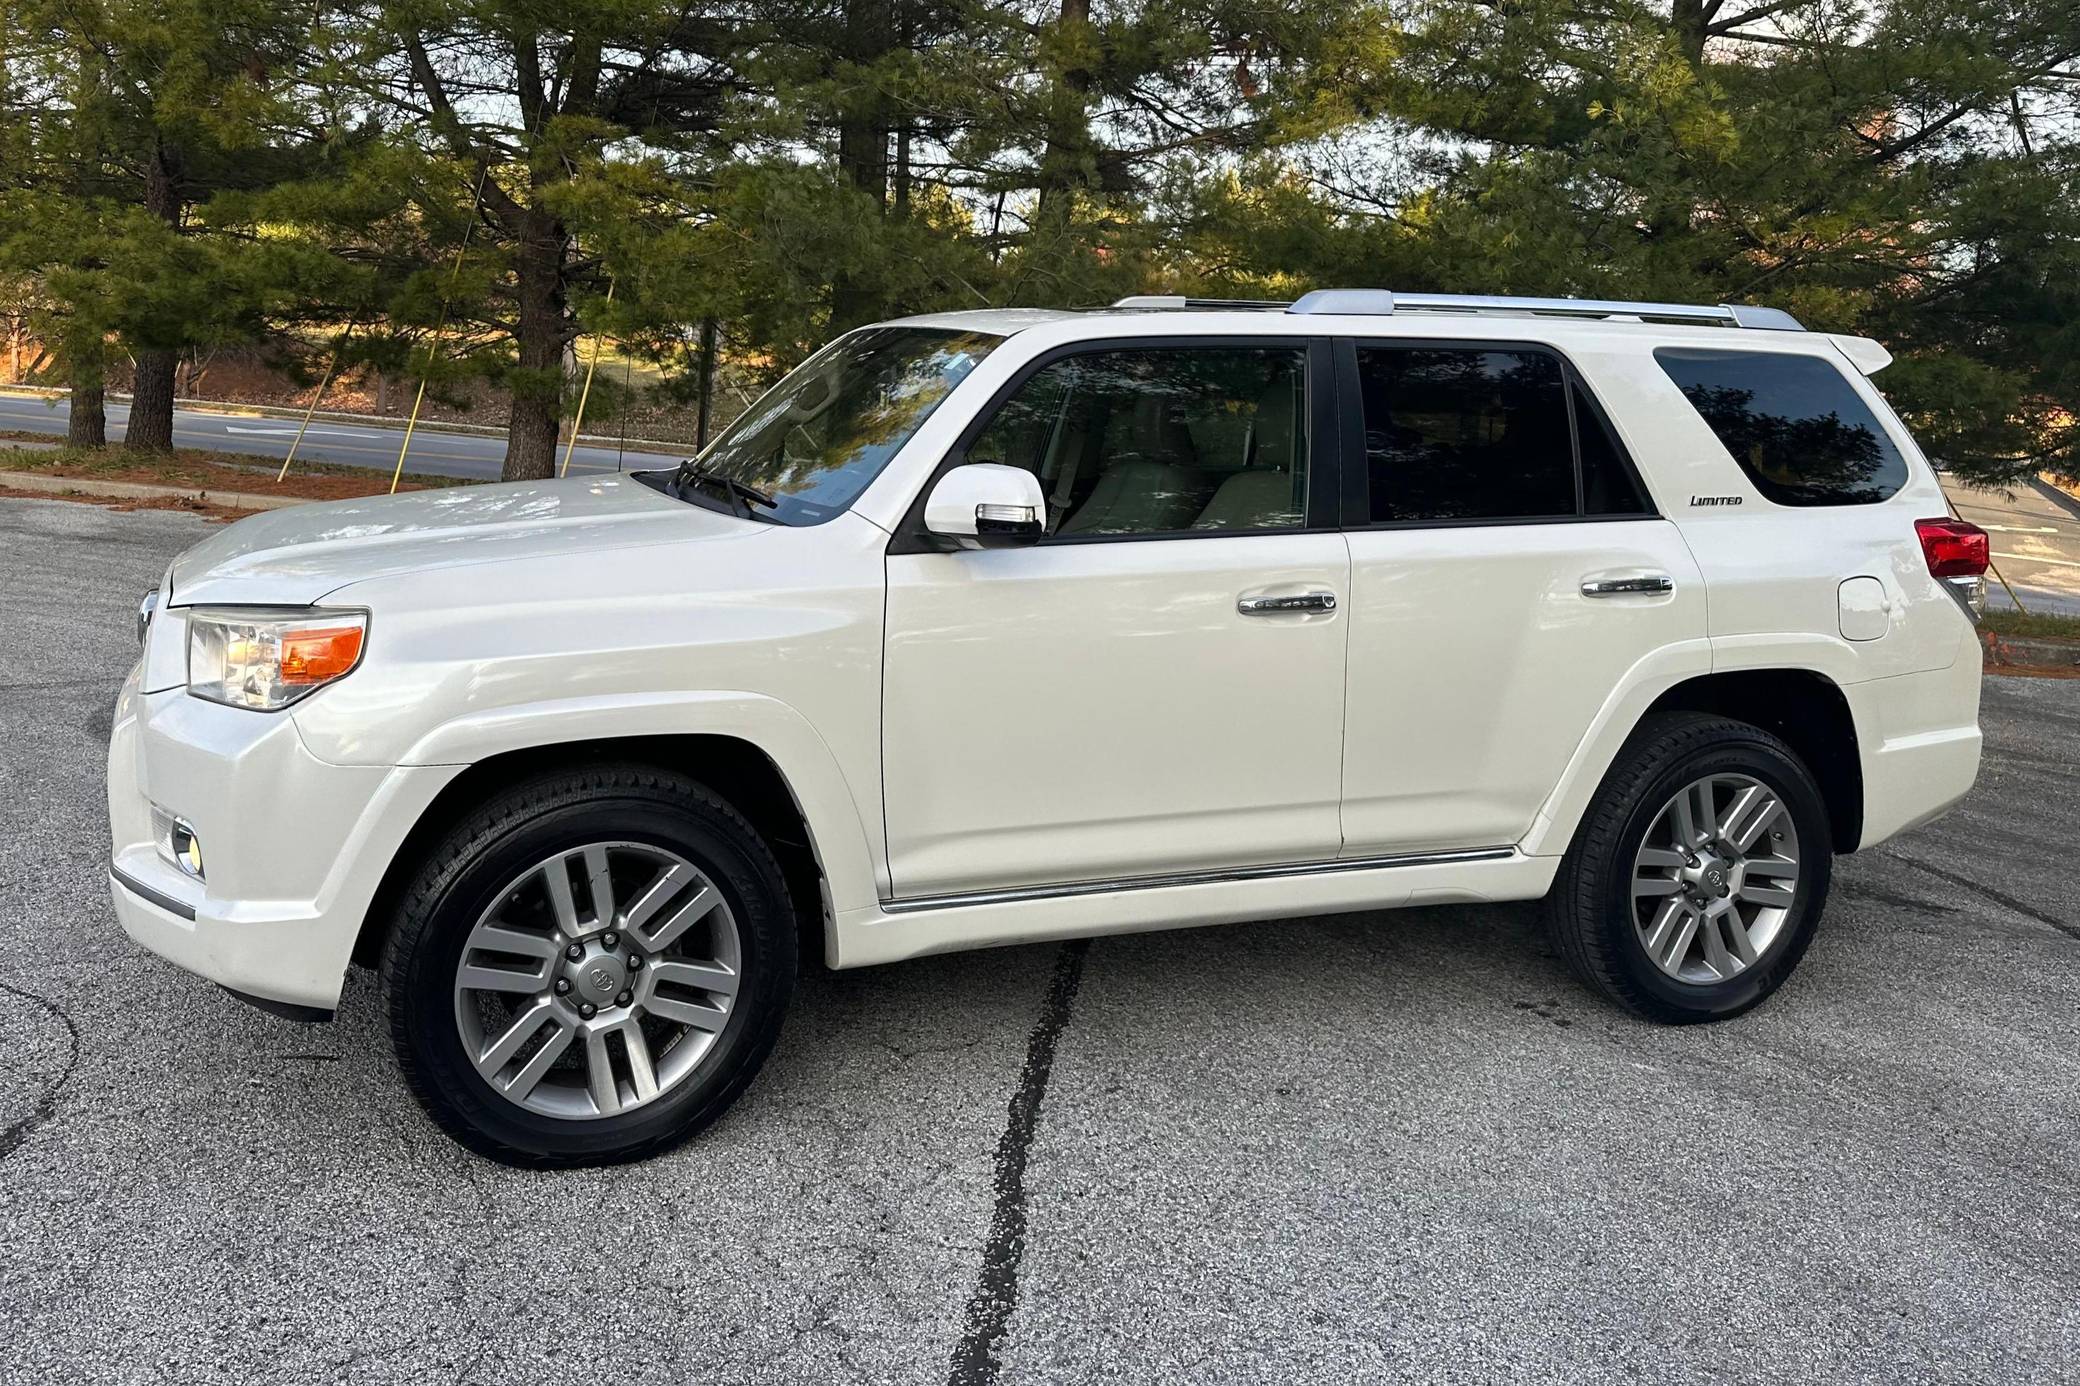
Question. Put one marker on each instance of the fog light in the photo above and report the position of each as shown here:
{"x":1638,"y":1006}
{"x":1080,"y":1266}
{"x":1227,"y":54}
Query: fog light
{"x":187,"y":849}
{"x":177,"y":842}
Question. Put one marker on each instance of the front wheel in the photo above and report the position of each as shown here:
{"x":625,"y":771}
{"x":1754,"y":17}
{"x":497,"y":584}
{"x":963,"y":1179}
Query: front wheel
{"x":590,"y":968}
{"x":1698,"y":874}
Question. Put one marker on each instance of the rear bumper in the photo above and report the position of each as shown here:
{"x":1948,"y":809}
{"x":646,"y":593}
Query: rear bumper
{"x":294,"y":847}
{"x":1918,"y":736}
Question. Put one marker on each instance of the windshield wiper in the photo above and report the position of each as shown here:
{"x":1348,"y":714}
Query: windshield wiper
{"x":737,"y":492}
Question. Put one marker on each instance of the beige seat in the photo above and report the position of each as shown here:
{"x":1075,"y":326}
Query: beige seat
{"x":1148,"y":481}
{"x":1266,"y":493}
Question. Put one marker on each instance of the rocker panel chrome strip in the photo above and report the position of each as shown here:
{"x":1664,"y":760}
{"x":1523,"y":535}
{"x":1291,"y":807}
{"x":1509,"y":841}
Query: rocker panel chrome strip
{"x":1243,"y":873}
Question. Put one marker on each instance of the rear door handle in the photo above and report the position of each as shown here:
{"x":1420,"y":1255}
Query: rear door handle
{"x":1631,"y":585}
{"x":1292,"y":601}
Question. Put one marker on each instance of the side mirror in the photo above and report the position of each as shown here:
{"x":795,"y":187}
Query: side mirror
{"x":986,"y":505}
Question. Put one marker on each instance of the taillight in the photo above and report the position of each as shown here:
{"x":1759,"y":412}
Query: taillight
{"x":1954,"y":548}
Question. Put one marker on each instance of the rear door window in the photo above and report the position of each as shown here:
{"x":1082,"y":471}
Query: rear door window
{"x":1467,"y":433}
{"x":1793,"y":423}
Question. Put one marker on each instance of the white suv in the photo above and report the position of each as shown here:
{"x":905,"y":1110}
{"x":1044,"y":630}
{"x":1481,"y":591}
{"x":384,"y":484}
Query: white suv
{"x":982,"y":628}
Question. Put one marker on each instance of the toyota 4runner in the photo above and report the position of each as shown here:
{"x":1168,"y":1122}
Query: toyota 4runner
{"x":992,"y":627}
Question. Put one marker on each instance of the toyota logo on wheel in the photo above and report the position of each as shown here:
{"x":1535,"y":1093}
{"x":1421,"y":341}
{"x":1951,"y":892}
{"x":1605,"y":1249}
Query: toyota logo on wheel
{"x":601,"y":979}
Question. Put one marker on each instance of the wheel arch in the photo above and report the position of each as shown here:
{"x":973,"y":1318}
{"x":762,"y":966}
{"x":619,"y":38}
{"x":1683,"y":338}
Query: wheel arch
{"x":739,"y":770}
{"x":1802,"y":706}
{"x":1808,"y":712}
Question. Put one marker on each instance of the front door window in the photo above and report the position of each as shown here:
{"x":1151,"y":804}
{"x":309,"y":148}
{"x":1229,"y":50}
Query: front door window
{"x":1161,"y":441}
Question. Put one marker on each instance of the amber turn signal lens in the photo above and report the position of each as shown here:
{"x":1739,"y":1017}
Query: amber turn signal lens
{"x":319,"y":655}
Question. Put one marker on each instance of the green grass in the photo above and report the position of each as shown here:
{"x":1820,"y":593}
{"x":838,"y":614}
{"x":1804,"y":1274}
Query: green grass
{"x":2036,"y":625}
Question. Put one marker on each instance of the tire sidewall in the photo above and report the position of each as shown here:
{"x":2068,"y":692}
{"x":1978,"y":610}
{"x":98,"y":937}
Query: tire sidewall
{"x":1794,"y":787}
{"x":424,"y":995}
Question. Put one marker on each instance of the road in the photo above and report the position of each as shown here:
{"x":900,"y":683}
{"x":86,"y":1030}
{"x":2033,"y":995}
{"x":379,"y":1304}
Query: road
{"x":328,"y":440}
{"x":2036,"y":542}
{"x":1376,"y":1148}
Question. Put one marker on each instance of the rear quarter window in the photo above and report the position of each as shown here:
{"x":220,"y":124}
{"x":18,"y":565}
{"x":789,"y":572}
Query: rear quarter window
{"x":1793,"y":423}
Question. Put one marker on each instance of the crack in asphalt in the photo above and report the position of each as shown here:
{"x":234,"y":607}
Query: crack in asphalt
{"x":13,"y":1136}
{"x":975,"y":1360}
{"x":2009,"y":901}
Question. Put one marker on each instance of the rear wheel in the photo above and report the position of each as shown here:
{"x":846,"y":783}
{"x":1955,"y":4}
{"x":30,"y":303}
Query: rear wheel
{"x":1699,"y":872}
{"x":590,"y":968}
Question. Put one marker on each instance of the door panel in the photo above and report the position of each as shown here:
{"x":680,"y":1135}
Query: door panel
{"x":1478,"y":662}
{"x":1088,"y":711}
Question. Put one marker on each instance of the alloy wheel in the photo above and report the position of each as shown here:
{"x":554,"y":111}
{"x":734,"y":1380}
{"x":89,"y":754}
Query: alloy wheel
{"x":598,"y":980}
{"x":1715,"y":879}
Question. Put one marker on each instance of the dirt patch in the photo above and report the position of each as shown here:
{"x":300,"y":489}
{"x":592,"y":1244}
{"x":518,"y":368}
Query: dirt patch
{"x":206,"y":509}
{"x":207,"y":471}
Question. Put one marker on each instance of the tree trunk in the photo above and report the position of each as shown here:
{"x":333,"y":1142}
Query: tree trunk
{"x":151,"y":398}
{"x":1064,"y":164}
{"x":543,"y":331}
{"x":151,"y":402}
{"x":863,"y":153}
{"x":1690,"y":22}
{"x":705,"y":410}
{"x":86,"y":421}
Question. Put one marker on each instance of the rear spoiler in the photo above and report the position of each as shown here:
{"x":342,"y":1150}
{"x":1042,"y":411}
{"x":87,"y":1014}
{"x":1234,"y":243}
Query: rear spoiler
{"x":1863,"y":353}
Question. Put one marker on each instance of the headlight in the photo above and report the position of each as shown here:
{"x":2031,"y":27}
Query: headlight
{"x":267,"y":658}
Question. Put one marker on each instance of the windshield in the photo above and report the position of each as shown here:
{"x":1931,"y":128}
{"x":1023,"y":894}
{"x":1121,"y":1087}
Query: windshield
{"x":814,"y":441}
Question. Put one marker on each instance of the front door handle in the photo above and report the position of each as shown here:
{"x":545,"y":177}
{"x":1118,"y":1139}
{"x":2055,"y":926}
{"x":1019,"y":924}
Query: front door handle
{"x":1631,"y":585}
{"x":1294,"y":601}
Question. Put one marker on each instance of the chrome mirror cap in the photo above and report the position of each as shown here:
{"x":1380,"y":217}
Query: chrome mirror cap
{"x":145,"y":607}
{"x":985,"y":505}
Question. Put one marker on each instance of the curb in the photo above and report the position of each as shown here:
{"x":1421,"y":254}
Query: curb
{"x":142,"y":490}
{"x":2029,"y":652}
{"x":279,"y":411}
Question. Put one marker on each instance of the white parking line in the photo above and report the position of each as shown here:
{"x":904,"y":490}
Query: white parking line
{"x":2032,"y":558}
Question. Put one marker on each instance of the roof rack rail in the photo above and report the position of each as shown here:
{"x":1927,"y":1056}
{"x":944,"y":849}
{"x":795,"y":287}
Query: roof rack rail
{"x":1382,"y":303}
{"x":1179,"y":301}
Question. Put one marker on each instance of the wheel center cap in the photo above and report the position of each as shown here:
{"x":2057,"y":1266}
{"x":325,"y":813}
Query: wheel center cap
{"x":598,"y":977}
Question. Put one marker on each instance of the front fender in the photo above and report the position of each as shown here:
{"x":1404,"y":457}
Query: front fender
{"x":840,"y":831}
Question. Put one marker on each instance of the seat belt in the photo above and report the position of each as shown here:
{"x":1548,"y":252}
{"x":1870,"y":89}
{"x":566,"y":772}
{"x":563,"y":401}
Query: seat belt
{"x":1065,"y":479}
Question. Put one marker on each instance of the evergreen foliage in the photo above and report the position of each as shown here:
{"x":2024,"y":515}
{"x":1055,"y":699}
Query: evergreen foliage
{"x":765,"y":173}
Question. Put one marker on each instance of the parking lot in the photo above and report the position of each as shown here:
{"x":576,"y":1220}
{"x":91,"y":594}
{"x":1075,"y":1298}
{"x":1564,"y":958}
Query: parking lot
{"x":1378,"y":1148}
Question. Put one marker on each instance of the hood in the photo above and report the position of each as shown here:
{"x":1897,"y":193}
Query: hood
{"x":296,"y":555}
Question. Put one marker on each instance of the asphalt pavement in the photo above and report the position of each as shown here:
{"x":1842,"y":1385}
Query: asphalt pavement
{"x":1390,"y":1147}
{"x":474,"y":455}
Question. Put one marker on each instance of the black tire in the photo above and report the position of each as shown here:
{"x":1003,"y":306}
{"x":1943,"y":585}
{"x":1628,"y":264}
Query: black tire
{"x":1589,"y":911}
{"x":488,"y":848}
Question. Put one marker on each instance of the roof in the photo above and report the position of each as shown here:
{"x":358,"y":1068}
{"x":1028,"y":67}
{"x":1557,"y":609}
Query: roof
{"x":1374,"y":309}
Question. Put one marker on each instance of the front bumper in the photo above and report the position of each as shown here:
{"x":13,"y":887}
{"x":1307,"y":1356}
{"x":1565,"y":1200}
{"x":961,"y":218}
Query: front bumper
{"x":294,"y":847}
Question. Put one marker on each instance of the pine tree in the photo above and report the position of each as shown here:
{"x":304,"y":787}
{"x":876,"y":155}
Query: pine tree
{"x":1906,"y":171}
{"x":542,"y":107}
{"x":141,"y":111}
